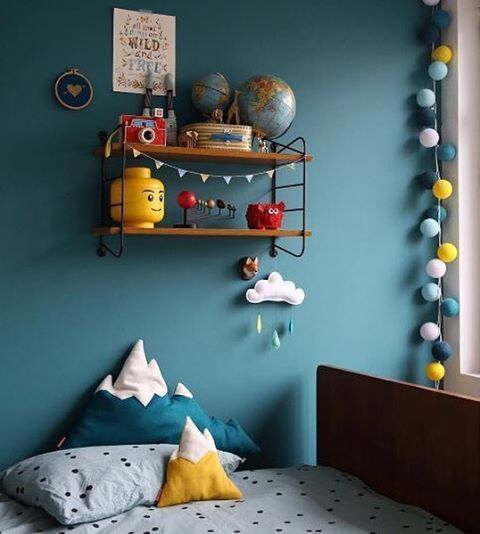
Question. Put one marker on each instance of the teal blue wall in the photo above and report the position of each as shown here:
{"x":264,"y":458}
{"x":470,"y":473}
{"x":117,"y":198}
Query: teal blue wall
{"x":68,"y":317}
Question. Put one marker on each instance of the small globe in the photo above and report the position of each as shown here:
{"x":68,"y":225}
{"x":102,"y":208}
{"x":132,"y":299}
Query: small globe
{"x":267,"y":103}
{"x":211,"y":92}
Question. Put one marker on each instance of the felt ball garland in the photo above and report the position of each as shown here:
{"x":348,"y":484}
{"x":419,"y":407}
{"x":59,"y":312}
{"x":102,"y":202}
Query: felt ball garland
{"x":439,"y":213}
{"x":429,"y":228}
{"x":437,"y":70}
{"x":426,"y":98}
{"x":430,"y":34}
{"x":426,"y":117}
{"x":427,"y":180}
{"x":441,"y":188}
{"x":442,"y":53}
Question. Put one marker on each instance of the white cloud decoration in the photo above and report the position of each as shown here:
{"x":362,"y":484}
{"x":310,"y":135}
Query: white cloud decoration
{"x":275,"y":289}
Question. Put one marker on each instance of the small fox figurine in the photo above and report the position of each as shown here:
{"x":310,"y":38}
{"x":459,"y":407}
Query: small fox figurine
{"x":248,"y":267}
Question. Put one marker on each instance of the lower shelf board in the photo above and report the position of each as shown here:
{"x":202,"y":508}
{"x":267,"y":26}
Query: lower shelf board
{"x":201,"y":232}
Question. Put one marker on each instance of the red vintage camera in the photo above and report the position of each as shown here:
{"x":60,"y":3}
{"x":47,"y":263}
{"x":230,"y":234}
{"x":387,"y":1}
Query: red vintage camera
{"x":143,"y":130}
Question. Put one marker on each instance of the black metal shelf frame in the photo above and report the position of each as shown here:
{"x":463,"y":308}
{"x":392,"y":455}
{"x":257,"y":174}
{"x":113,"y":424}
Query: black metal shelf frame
{"x":297,"y":146}
{"x":298,"y":141}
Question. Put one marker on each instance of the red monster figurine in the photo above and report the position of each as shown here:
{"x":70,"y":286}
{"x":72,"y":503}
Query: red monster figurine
{"x":265,"y":216}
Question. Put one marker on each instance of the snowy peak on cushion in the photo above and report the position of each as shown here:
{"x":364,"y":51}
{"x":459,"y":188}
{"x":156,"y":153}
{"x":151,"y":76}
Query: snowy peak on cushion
{"x":138,"y":378}
{"x":193,"y":444}
{"x":182,"y":391}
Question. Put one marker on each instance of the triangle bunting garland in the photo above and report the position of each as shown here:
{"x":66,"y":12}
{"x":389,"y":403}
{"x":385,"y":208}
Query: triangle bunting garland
{"x":204,"y":176}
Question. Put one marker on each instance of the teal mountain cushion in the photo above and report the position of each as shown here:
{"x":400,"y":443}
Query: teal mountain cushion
{"x":111,"y":421}
{"x":91,"y":483}
{"x":137,"y":409}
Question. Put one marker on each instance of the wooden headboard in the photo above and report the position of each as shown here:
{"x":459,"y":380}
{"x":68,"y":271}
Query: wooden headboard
{"x":413,"y":444}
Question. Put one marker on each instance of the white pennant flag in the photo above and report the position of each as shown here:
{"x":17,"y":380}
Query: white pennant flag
{"x":158,"y":164}
{"x":136,"y":153}
{"x":181,"y":172}
{"x":204,"y":177}
{"x":227,"y":179}
{"x":249,"y":177}
{"x":270,"y":173}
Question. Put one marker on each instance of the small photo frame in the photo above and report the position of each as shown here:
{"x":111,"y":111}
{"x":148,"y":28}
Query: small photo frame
{"x":73,"y":90}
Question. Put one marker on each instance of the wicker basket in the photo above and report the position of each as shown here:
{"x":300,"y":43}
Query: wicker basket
{"x":223,"y":136}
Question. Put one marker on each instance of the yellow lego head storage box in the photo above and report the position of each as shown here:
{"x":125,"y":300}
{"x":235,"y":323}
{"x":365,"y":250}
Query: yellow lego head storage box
{"x":144,"y":198}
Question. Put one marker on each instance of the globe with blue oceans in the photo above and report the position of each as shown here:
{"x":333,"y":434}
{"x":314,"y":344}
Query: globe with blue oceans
{"x":267,"y":103}
{"x":211,"y":92}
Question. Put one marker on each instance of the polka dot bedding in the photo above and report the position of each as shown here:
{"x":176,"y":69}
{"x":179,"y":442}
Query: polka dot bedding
{"x":294,"y":500}
{"x":90,"y":483}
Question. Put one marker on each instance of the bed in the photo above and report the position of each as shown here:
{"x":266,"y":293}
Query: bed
{"x":380,"y":443}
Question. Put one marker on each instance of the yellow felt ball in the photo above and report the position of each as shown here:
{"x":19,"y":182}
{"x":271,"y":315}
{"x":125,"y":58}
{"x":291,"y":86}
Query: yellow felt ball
{"x":442,"y":189}
{"x":447,"y":252}
{"x":442,"y":53}
{"x":435,"y":371}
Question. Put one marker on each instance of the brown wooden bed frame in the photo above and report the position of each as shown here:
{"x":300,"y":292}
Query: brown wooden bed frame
{"x":413,"y":444}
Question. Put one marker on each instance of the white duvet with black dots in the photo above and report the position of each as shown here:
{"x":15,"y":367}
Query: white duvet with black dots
{"x":293,"y":500}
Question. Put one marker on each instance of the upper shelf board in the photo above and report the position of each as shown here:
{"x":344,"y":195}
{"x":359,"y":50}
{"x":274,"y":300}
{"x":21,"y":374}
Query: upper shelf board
{"x":207,"y":154}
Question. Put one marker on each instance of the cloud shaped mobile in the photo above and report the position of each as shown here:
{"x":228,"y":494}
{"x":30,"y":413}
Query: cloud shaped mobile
{"x":275,"y":289}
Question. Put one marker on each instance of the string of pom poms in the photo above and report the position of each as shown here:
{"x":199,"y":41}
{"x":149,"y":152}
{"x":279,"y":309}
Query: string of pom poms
{"x":441,"y":188}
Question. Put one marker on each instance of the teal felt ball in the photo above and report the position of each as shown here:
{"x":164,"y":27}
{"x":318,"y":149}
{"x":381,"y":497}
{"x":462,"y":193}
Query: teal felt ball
{"x":441,"y":351}
{"x":429,"y":228}
{"x":426,"y":98}
{"x":438,"y":70}
{"x":426,"y":117}
{"x":441,"y":19}
{"x":437,"y":212}
{"x":429,"y":34}
{"x":450,"y":307}
{"x":431,"y":292}
{"x":427,"y":179}
{"x":446,"y":152}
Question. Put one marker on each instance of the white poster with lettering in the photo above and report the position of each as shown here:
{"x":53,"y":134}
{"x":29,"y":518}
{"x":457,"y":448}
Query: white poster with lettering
{"x":142,"y":42}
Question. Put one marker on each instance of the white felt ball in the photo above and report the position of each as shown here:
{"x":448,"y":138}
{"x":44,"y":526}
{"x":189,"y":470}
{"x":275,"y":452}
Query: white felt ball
{"x":429,"y":331}
{"x":429,"y":138}
{"x":436,"y":268}
{"x":431,"y":3}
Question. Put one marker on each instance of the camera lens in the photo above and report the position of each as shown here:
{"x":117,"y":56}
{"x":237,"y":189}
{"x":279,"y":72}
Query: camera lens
{"x":146,"y":135}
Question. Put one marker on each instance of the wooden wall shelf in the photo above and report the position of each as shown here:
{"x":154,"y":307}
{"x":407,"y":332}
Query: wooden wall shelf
{"x":206,"y":154}
{"x":200,"y":232}
{"x":284,"y":154}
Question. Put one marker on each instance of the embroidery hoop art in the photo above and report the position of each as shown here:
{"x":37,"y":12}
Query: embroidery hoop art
{"x":66,"y":97}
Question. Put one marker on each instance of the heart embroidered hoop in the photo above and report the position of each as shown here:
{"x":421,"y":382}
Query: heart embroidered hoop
{"x":73,"y":90}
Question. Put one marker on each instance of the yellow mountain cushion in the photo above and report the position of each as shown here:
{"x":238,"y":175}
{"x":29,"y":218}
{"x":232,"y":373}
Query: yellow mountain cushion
{"x":204,"y":481}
